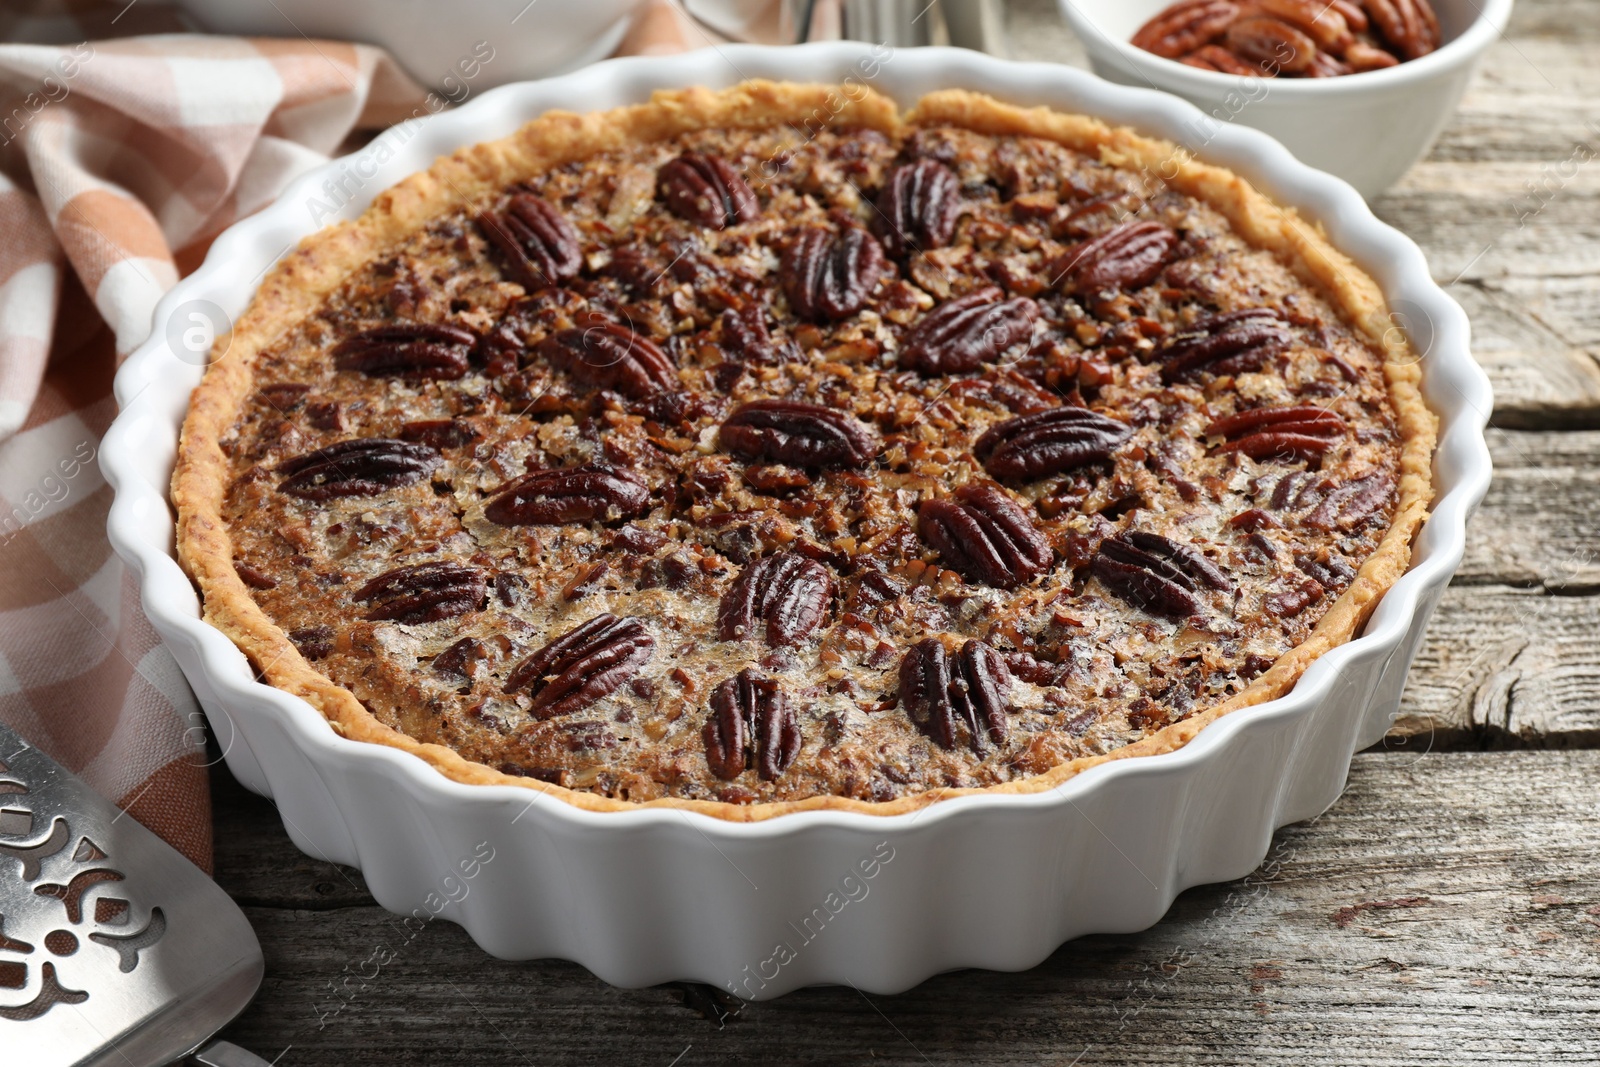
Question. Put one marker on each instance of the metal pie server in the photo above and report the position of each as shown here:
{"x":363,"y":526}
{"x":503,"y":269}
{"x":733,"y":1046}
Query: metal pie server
{"x":114,"y":949}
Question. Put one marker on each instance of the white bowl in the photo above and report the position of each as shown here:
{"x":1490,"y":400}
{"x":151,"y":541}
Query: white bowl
{"x":456,"y":48}
{"x":652,"y":895}
{"x":1366,"y":128}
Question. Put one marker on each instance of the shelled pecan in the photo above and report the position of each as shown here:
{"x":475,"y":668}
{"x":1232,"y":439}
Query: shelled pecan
{"x":782,"y":597}
{"x":985,"y":535}
{"x":538,"y":241}
{"x":1292,"y":38}
{"x":1355,"y":16}
{"x":439,"y":433}
{"x":313,"y":642}
{"x":1185,"y":26}
{"x":751,"y":725}
{"x":284,"y":397}
{"x":510,"y":588}
{"x":1217,"y":58}
{"x":798,"y":434}
{"x":1298,"y":490}
{"x":918,"y":207}
{"x":583,"y":665}
{"x":1127,"y":257}
{"x":1288,"y":602}
{"x":1324,"y":23}
{"x":1097,"y":215}
{"x":1027,"y":668}
{"x":610,"y":355}
{"x":960,"y":334}
{"x":1157,"y":574}
{"x":947,"y":696}
{"x":415,"y":351}
{"x":830,"y":275}
{"x":1410,"y":27}
{"x":1331,"y":571}
{"x":252,"y":577}
{"x":745,"y":336}
{"x":461,"y":659}
{"x":1296,"y":432}
{"x":1230,"y":343}
{"x":573,"y":494}
{"x":1326,"y":66}
{"x":364,"y":466}
{"x":1050,"y":442}
{"x":1349,"y":506}
{"x":1272,"y":45}
{"x":775,"y":479}
{"x":1363,"y":55}
{"x":707,"y":190}
{"x":425,"y":592}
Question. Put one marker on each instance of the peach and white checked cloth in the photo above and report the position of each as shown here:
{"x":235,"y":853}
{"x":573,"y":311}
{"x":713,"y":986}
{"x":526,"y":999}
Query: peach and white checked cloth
{"x":121,"y":158}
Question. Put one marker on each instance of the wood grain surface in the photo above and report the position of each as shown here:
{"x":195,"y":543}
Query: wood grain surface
{"x":1445,"y":911}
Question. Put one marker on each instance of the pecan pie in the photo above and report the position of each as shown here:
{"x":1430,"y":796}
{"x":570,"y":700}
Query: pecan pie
{"x":771,"y":449}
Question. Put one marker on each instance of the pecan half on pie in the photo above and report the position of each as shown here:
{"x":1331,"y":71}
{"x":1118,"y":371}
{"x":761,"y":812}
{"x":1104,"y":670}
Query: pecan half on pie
{"x":706,"y":453}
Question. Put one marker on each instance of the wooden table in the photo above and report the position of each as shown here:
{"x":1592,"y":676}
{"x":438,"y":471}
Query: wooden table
{"x":1445,"y":911}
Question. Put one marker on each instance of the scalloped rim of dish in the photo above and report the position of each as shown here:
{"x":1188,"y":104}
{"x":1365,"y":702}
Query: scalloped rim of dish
{"x":1461,"y":462}
{"x":1461,"y":49}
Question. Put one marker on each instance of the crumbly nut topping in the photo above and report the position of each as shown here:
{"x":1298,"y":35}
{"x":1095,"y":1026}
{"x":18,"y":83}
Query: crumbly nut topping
{"x":753,"y":466}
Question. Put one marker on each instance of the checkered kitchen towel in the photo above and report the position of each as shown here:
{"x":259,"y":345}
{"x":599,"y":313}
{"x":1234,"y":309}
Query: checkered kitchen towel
{"x":120,"y":159}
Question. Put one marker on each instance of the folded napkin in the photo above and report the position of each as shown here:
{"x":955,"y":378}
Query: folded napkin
{"x":121,"y":158}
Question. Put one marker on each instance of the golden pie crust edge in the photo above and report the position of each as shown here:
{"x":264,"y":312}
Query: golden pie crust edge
{"x":298,"y":285}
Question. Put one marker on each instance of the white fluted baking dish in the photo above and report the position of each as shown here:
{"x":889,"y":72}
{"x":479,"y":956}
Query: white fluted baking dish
{"x":646,"y":896}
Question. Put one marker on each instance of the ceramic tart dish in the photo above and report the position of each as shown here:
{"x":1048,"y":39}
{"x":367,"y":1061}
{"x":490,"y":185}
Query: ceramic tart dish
{"x":775,"y":450}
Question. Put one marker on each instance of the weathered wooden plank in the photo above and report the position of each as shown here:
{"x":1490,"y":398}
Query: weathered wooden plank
{"x":251,"y":860}
{"x":1519,"y":666}
{"x":1505,"y":207}
{"x":1442,"y":912}
{"x":1526,"y":219}
{"x":1524,"y":104}
{"x":1511,"y":656}
{"x":1516,"y":242}
{"x":1571,"y":20}
{"x":1505,"y":667}
{"x":1540,"y":522}
{"x":1541,"y":381}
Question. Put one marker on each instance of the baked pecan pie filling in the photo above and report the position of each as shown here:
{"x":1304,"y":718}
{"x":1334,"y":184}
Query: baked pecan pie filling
{"x":758,"y":465}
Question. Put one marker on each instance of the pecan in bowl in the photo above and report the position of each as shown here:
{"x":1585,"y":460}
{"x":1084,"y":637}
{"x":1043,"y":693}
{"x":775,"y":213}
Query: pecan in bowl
{"x":1358,"y":88}
{"x":1292,"y":38}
